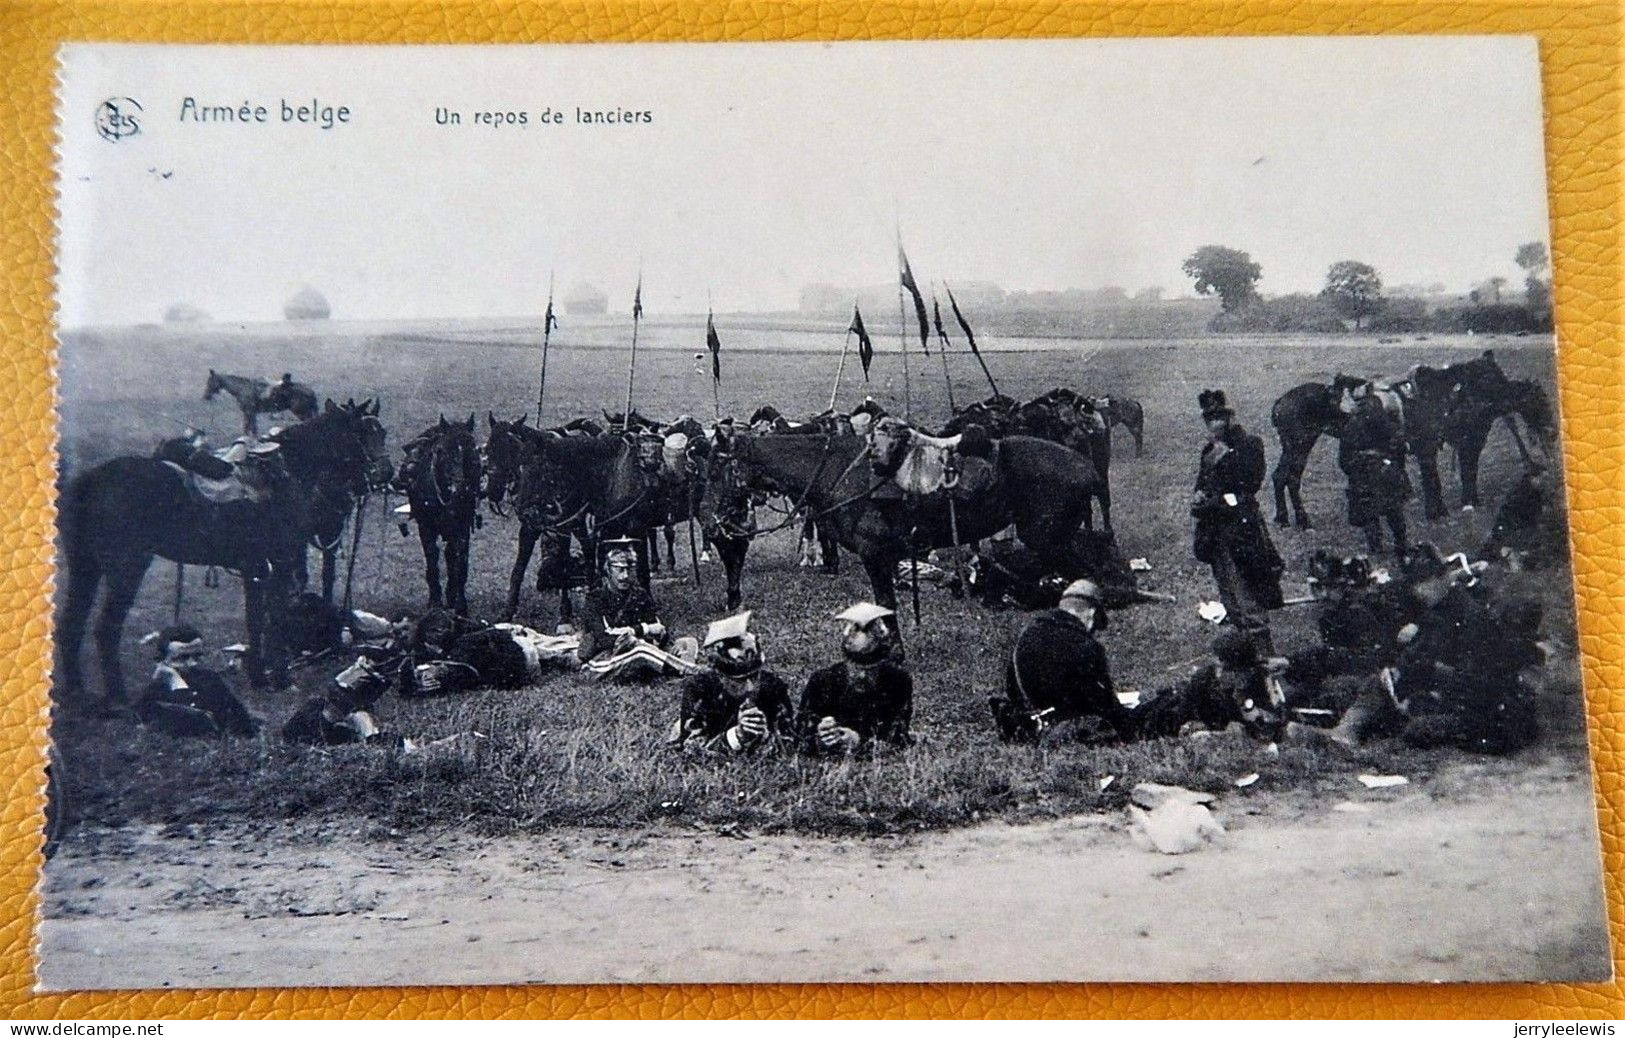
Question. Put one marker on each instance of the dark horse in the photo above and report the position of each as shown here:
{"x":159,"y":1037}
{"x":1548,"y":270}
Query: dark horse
{"x":1043,"y":488}
{"x":563,"y":487}
{"x":116,"y":517}
{"x":255,"y":397}
{"x":1456,"y":405}
{"x":442,"y":483}
{"x":337,"y":508}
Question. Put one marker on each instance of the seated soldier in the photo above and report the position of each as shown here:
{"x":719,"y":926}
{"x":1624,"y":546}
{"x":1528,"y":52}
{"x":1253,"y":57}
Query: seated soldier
{"x":468,"y":655}
{"x":733,"y":705}
{"x":344,"y":715}
{"x":864,"y":702}
{"x":310,"y":624}
{"x":621,"y":633}
{"x":1235,"y":687}
{"x":1057,"y":677}
{"x":1463,"y":675}
{"x":185,"y":697}
{"x":1529,"y":531}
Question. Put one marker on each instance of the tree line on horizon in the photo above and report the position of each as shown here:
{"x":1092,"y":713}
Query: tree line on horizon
{"x":1354,"y":293}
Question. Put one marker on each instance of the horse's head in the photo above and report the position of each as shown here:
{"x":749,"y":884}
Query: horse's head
{"x":213,"y":386}
{"x":888,"y":444}
{"x":364,"y":441}
{"x":505,"y":449}
{"x":1345,"y":392}
{"x":343,"y":447}
{"x":450,"y":469}
{"x":1530,"y":402}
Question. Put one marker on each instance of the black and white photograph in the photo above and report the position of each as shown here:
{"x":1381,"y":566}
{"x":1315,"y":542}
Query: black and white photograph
{"x":1064,"y":510}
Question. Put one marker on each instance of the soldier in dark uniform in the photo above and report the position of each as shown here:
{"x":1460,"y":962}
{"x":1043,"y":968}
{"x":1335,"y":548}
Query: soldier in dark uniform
{"x":865,"y":701}
{"x":1371,"y":453}
{"x":1230,"y":533}
{"x":621,"y":632}
{"x":344,"y":714}
{"x":734,"y":705}
{"x":1057,"y":674}
{"x":1236,"y":687}
{"x":185,"y":697}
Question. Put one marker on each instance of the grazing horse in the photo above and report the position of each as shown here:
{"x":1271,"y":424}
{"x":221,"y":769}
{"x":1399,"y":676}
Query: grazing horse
{"x":1456,"y":405}
{"x":116,"y":517}
{"x":255,"y":397}
{"x":1127,"y":412}
{"x":818,"y":544}
{"x":1042,"y":488}
{"x":442,"y":485}
{"x":1061,"y":416}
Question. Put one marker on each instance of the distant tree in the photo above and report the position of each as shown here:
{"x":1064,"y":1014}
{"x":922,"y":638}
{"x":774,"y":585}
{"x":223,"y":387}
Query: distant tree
{"x":1532,"y":258}
{"x":1354,"y":289}
{"x":1229,"y":273}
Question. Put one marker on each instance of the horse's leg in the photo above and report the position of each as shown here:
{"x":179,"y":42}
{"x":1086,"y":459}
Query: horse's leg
{"x":457,"y":570}
{"x":830,"y":545}
{"x":1105,"y":498}
{"x":1427,"y":460}
{"x":521,"y":562}
{"x":266,"y":635}
{"x":1468,"y":452}
{"x":1288,"y":479}
{"x":1137,"y":430}
{"x":650,"y":555}
{"x":124,"y":576}
{"x":671,"y":547}
{"x":429,"y":537}
{"x":330,"y":572}
{"x":84,"y":576}
{"x":732,"y":552}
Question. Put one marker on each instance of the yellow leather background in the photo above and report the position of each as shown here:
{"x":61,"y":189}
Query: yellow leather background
{"x":1581,"y":49}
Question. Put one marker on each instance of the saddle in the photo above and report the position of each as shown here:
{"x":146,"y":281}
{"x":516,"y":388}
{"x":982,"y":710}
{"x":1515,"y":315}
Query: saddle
{"x":958,"y":465}
{"x":229,"y":475}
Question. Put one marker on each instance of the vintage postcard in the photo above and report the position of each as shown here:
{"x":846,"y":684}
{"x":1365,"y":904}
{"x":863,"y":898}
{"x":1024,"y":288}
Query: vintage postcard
{"x":934,"y":511}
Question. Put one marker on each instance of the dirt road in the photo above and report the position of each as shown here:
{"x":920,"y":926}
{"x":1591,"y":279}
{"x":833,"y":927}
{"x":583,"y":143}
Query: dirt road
{"x":1409,"y":887}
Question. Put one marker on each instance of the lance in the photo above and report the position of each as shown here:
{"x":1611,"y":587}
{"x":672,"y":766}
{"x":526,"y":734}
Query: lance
{"x":902,"y":340}
{"x":547,"y":330}
{"x":942,"y":350}
{"x":632,"y":366}
{"x":839,"y":368}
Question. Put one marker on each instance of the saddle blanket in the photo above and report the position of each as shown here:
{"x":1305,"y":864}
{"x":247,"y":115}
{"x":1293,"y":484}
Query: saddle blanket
{"x":225,"y":491}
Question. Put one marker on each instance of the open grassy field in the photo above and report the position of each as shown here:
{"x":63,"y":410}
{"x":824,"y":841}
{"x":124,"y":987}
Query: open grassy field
{"x":571,"y":752}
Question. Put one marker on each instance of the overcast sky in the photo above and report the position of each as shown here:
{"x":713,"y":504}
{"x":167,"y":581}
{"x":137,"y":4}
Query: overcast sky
{"x":768,"y":167}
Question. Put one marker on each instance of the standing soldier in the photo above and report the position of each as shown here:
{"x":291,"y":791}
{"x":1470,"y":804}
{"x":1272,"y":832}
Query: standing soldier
{"x":1230,"y":533}
{"x":1371,"y":453}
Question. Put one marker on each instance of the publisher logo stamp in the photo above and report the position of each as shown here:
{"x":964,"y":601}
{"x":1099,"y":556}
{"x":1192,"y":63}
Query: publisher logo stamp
{"x":118,"y":118}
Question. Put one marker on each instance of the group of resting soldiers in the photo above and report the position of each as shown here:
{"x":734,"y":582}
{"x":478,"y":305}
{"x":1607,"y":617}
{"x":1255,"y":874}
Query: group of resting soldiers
{"x":1426,"y":651}
{"x":728,"y":700}
{"x":1432,"y":651}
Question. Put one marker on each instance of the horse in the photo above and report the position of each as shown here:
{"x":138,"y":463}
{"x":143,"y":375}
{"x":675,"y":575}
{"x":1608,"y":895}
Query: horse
{"x":1043,"y":488}
{"x":115,"y":518}
{"x":442,"y":485}
{"x":1456,"y":405}
{"x":255,"y":397}
{"x":1061,"y":416}
{"x":1127,"y":412}
{"x":509,"y":447}
{"x":559,"y":483}
{"x":818,"y":546}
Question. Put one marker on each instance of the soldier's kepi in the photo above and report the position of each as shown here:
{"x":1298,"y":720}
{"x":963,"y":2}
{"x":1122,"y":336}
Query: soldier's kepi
{"x":1230,"y":533}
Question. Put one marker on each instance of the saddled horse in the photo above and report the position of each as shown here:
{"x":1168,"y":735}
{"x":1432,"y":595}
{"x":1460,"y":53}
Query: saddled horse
{"x":1456,"y":406}
{"x":818,"y":544}
{"x":1043,"y":488}
{"x":1127,"y":412}
{"x":1061,"y":416}
{"x":442,"y":483}
{"x":256,"y":396}
{"x":118,"y":516}
{"x":563,"y":487}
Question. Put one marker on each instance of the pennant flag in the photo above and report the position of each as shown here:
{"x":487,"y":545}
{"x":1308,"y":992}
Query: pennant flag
{"x":637,"y":300}
{"x":906,"y":276}
{"x":714,"y":344}
{"x":936,"y":314}
{"x":963,"y":324}
{"x":866,"y":349}
{"x":551,"y":322}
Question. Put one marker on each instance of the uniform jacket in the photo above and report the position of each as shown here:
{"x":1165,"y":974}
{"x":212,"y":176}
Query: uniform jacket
{"x":877,"y":703}
{"x":203,"y":706}
{"x":711,"y":703}
{"x":1371,"y":453}
{"x":634,"y":608}
{"x":1237,"y":529}
{"x":1056,"y":664}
